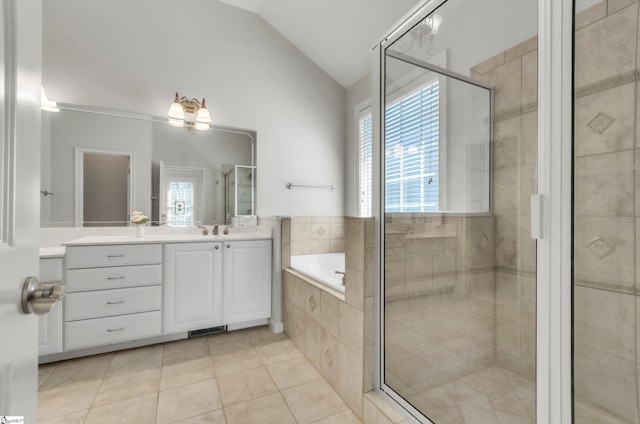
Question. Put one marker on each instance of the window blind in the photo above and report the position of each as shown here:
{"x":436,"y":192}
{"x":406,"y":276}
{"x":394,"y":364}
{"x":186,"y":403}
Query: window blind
{"x":412,"y":152}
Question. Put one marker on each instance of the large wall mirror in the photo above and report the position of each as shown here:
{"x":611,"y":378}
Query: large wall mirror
{"x":99,"y":165}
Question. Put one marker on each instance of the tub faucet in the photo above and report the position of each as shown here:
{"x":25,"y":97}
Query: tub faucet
{"x":340,"y":272}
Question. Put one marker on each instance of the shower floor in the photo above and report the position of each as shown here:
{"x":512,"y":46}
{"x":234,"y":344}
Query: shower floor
{"x":440,"y":357}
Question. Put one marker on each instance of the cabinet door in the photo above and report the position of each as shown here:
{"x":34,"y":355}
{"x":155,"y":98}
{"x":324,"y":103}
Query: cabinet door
{"x":50,"y":324}
{"x":192,"y":286}
{"x":247,"y":281}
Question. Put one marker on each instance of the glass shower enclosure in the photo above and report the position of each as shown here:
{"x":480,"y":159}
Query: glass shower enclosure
{"x":458,"y":166}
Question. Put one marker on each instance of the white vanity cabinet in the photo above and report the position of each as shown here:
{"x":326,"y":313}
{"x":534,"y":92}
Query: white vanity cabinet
{"x":50,"y":324}
{"x":192,"y":286}
{"x":246,"y":281}
{"x":114,"y":294}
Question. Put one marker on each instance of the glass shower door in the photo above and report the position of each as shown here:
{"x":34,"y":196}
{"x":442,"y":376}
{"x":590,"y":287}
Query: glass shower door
{"x":458,"y":151}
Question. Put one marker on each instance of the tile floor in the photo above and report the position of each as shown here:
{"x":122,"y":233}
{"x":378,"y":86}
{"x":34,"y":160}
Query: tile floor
{"x":241,"y":377}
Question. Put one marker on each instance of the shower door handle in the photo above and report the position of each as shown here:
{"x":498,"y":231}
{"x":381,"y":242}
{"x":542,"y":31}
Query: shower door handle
{"x":536,"y":216}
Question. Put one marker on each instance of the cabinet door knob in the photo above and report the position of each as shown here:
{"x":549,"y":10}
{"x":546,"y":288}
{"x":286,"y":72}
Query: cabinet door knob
{"x":228,"y":246}
{"x":217,"y":247}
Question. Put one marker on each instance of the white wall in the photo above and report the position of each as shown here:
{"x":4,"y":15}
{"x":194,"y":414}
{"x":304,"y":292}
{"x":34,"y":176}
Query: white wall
{"x":134,"y":55}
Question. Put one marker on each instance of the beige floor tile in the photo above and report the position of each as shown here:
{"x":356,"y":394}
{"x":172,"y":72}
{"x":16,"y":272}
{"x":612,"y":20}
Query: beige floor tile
{"x":246,"y":385}
{"x":44,"y":371}
{"x":278,"y":352}
{"x":293,"y":372}
{"x":232,"y":341}
{"x":188,"y":401}
{"x":140,"y":410}
{"x":263,"y":335}
{"x":213,"y":417}
{"x":313,"y":401}
{"x":64,"y":400}
{"x":344,"y":417}
{"x":133,"y":360}
{"x":127,"y":386}
{"x":91,"y":368}
{"x":233,"y":362}
{"x":185,"y":350}
{"x":269,"y":409}
{"x":184,"y":373}
{"x":73,"y":418}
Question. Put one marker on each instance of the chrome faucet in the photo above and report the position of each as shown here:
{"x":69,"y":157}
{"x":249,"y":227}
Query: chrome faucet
{"x":340,"y":272}
{"x":204,"y":230}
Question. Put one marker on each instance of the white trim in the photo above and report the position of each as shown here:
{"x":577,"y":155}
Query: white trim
{"x":555,"y":98}
{"x":358,"y":110}
{"x":8,"y":125}
{"x":79,"y":179}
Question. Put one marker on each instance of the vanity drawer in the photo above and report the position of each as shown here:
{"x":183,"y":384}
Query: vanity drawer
{"x":112,"y":277}
{"x":106,"y":303}
{"x":113,"y":255}
{"x":105,"y":331}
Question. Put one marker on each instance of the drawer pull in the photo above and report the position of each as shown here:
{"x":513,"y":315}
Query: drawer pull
{"x":116,"y":256}
{"x":122,"y":277}
{"x":115,"y":303}
{"x":115,"y":329}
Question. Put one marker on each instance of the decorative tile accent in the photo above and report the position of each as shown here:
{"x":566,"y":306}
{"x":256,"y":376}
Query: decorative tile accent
{"x":312,"y":303}
{"x":320,"y":231}
{"x":601,"y":122}
{"x":600,"y":248}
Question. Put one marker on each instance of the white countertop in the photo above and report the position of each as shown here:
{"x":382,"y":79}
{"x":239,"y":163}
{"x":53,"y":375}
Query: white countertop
{"x":165,"y":238}
{"x":52,"y":252}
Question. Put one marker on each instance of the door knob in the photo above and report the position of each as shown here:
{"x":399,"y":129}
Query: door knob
{"x":38,"y":298}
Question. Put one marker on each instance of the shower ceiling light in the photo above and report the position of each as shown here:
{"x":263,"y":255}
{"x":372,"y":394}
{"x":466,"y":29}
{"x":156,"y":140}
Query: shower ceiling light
{"x":423,"y":33}
{"x":192,"y":114}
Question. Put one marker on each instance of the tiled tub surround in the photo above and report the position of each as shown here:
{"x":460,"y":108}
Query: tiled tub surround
{"x":317,"y":234}
{"x":336,"y":332}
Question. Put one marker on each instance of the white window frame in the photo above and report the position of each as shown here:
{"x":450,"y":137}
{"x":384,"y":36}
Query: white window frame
{"x":359,"y":110}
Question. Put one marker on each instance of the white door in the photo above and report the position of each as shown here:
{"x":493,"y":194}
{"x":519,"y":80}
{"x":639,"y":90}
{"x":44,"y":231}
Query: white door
{"x":21,"y":46}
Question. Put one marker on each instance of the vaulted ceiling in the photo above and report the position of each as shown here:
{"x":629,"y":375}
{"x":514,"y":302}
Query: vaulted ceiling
{"x":336,"y":34}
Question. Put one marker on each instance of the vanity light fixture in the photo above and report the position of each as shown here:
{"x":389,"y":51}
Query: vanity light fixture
{"x":46,"y":104}
{"x":192,"y":114}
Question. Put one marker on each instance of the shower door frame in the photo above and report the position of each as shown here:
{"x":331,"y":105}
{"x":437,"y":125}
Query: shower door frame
{"x":551,"y":211}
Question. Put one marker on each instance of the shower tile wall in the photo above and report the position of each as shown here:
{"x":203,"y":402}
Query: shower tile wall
{"x":513,"y":74}
{"x":317,"y":234}
{"x":607,"y":206}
